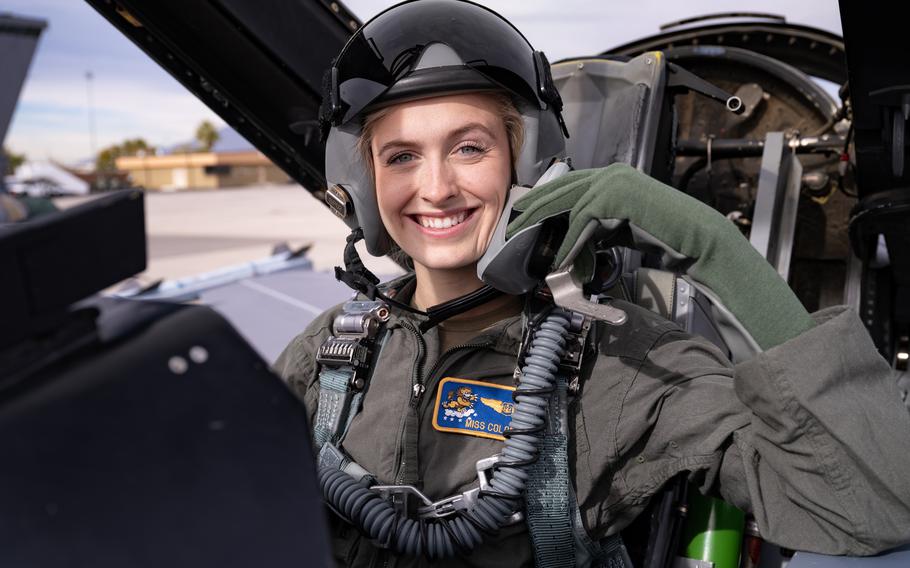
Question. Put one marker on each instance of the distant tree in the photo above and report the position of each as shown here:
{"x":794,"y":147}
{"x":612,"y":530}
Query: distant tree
{"x":13,"y":161}
{"x":106,"y":161}
{"x":206,"y":135}
{"x":185,"y":148}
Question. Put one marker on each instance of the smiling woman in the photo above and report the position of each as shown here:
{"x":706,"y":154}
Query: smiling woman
{"x":444,"y":421}
{"x":442,"y":168}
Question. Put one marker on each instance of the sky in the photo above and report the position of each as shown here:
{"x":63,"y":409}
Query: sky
{"x":133,"y":97}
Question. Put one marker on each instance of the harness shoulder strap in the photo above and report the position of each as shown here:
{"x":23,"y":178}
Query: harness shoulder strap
{"x":345,"y":360}
{"x":338,"y":403}
{"x":554,"y":520}
{"x":547,"y":497}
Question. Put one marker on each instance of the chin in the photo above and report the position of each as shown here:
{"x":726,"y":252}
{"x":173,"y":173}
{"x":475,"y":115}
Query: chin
{"x":445,"y":261}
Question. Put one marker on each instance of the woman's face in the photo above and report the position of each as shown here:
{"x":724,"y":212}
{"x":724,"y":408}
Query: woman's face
{"x":442,"y":170}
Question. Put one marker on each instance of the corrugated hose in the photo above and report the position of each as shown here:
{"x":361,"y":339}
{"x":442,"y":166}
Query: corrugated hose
{"x":463,"y":530}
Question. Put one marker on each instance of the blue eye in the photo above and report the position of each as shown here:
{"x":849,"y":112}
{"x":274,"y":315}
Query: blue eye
{"x":402,"y":158}
{"x":470,"y":149}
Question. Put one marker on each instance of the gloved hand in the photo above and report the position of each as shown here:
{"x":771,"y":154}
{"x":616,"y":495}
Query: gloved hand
{"x":692,"y":237}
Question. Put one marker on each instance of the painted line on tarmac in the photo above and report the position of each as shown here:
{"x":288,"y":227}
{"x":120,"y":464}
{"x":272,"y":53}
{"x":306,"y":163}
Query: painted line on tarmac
{"x":281,"y":296}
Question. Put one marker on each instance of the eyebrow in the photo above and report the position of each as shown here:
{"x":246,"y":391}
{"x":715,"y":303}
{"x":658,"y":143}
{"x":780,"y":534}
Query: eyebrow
{"x":457,"y":133}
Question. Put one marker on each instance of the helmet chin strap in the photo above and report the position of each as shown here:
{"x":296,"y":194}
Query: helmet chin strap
{"x":359,"y":278}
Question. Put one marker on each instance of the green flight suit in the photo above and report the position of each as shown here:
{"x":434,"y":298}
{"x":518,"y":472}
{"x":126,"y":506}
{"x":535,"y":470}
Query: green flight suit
{"x":810,"y":436}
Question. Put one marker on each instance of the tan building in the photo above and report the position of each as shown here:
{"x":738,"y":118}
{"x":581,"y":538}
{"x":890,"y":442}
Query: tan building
{"x":174,"y":172}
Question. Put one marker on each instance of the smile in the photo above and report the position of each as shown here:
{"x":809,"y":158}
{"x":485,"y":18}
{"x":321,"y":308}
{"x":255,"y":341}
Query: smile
{"x":444,"y":225}
{"x":441,"y":222}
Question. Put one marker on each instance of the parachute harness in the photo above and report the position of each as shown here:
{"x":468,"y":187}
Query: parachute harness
{"x":532,"y":468}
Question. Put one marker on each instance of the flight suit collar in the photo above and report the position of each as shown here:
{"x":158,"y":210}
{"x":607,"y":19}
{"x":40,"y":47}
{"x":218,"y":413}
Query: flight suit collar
{"x":506,"y":335}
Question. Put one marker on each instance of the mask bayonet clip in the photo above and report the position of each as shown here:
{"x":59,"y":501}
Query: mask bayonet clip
{"x":567,"y":293}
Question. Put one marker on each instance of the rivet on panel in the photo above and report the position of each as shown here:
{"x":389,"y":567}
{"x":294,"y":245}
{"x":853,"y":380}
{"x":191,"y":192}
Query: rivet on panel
{"x":177,"y":365}
{"x":199,"y":354}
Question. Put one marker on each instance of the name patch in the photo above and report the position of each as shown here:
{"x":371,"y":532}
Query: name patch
{"x":473,"y":407}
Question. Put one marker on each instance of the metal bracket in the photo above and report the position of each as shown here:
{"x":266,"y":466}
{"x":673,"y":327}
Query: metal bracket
{"x":776,"y":203}
{"x":680,"y":78}
{"x":567,"y":293}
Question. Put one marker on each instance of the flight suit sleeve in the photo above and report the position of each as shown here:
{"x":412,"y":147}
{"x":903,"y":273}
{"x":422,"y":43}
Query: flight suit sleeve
{"x":823,"y":464}
{"x":810,"y":436}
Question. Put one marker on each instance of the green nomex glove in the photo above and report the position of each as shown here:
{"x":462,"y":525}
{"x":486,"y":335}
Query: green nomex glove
{"x":690,"y":235}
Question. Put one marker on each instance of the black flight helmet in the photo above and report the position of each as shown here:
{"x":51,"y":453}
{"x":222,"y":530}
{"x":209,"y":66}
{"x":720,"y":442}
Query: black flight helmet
{"x":421,"y":49}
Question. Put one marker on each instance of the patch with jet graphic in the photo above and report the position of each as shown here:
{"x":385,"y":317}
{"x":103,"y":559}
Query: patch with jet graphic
{"x":474,"y":408}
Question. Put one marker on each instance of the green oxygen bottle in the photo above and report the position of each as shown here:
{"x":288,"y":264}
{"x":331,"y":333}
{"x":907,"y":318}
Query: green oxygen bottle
{"x":713,"y":531}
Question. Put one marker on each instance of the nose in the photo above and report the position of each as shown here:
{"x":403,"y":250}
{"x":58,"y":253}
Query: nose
{"x":438,"y":184}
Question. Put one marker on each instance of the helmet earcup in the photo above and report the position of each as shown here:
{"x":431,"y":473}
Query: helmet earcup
{"x":344,"y":166}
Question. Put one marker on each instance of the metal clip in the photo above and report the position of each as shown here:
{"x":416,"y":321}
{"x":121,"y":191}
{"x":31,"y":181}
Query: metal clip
{"x":468,"y":499}
{"x":360,"y":319}
{"x":342,"y":351}
{"x":402,"y":496}
{"x":354,"y":331}
{"x":571,"y":362}
{"x":567,"y":293}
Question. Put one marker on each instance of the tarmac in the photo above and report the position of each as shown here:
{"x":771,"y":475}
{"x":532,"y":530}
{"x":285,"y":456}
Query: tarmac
{"x":196,"y":231}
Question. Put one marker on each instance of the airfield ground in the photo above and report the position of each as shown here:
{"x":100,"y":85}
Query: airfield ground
{"x":191,"y":232}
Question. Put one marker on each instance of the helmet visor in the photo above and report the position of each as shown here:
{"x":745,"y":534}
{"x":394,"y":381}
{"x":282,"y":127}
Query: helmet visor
{"x":387,"y":47}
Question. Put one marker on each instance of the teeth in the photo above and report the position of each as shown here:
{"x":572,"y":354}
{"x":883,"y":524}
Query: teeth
{"x":442,"y":222}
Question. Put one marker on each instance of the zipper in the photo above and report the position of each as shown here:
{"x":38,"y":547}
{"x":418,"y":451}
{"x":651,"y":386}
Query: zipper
{"x":442,"y":359}
{"x":417,"y":389}
{"x":449,"y":351}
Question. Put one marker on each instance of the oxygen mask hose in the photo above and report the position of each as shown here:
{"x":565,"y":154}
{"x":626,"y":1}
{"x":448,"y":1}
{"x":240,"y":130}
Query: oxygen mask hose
{"x":442,"y":537}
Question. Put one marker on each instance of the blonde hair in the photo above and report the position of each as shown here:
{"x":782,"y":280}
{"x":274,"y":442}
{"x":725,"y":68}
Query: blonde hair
{"x":506,"y":108}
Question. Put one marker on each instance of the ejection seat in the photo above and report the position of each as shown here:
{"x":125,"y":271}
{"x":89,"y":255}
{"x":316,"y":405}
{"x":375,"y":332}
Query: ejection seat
{"x":621,"y":111}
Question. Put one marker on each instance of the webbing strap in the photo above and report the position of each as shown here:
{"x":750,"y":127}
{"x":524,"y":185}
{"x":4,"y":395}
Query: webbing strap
{"x":548,"y":514}
{"x":336,"y":399}
{"x":557,"y":532}
{"x":610,"y":552}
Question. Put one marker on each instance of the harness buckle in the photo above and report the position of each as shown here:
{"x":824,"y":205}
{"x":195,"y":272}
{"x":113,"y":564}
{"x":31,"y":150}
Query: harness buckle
{"x":355,"y":330}
{"x":338,"y":351}
{"x":360,"y":319}
{"x":571,"y":362}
